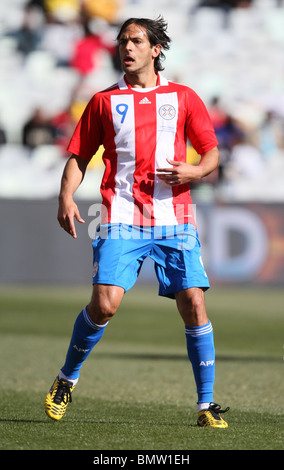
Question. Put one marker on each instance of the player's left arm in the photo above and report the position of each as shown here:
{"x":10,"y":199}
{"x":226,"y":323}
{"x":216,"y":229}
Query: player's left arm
{"x":182,"y":172}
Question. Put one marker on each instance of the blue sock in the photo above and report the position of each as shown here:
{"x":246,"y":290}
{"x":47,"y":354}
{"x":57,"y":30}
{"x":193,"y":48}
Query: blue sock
{"x":201,"y":353}
{"x":86,"y":335}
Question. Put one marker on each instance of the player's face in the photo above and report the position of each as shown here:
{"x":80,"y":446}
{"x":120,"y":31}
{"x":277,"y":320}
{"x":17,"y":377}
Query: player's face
{"x":136,"y":52}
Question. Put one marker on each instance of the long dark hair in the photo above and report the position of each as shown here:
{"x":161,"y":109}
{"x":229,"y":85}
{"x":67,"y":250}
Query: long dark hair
{"x":156,"y":32}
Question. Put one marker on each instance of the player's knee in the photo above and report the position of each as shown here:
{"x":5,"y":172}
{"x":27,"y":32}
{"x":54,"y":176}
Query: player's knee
{"x":101,"y":312}
{"x":192,"y":300}
{"x":192,"y":307}
{"x":198,"y":315}
{"x":196,"y":301}
{"x":107,"y":309}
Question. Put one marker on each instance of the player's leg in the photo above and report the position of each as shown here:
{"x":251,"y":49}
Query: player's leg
{"x":117,"y":262}
{"x":201,"y":353}
{"x":90,"y":326}
{"x":200,"y":342}
{"x":182,"y":276}
{"x":88,"y":329}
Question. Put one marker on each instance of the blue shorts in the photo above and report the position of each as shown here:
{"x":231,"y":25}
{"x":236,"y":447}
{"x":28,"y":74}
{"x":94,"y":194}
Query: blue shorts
{"x":119,"y":251}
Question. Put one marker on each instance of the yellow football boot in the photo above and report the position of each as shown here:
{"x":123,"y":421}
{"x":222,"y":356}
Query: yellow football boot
{"x":58,"y":398}
{"x":210,"y":418}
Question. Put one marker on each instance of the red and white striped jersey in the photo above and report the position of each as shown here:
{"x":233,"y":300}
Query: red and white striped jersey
{"x":140,"y":128}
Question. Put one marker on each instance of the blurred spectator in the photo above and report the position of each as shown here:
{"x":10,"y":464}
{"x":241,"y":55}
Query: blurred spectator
{"x":217,"y":114}
{"x":106,"y":9}
{"x":59,"y":38}
{"x":39,"y":130}
{"x":228,"y":132}
{"x":40,"y":4}
{"x":62,"y":10}
{"x":64,"y":124}
{"x":62,"y":29}
{"x":245,"y":161}
{"x":3,"y":139}
{"x":87,"y":50}
{"x":270,"y":135}
{"x":63,"y":129}
{"x":228,"y":136}
{"x":29,"y":35}
{"x":224,"y":5}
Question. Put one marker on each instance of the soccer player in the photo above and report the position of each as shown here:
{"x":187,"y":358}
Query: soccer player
{"x":143,"y":122}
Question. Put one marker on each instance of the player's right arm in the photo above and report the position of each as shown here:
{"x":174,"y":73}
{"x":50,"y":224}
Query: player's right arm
{"x":72,"y":177}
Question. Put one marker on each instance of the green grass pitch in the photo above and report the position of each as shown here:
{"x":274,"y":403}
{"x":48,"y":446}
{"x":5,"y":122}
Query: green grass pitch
{"x":136,"y":390}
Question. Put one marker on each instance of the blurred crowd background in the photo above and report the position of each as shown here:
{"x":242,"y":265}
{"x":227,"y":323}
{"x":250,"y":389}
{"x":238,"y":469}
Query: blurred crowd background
{"x":55,"y":54}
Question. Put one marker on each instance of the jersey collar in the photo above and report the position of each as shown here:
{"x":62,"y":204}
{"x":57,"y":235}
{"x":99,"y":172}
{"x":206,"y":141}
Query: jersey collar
{"x":124,"y":85}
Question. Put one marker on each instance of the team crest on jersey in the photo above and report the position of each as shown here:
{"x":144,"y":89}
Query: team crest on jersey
{"x":167,"y":111}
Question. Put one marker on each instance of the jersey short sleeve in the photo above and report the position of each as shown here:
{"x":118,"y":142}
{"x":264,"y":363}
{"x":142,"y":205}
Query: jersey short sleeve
{"x":87,"y":136}
{"x":199,"y":128}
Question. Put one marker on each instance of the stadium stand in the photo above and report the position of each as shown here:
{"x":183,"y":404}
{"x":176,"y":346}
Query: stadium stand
{"x":54,"y":54}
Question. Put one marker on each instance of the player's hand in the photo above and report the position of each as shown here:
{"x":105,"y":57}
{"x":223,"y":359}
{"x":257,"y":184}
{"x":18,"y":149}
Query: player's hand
{"x":179,"y":173}
{"x":67,"y":212}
